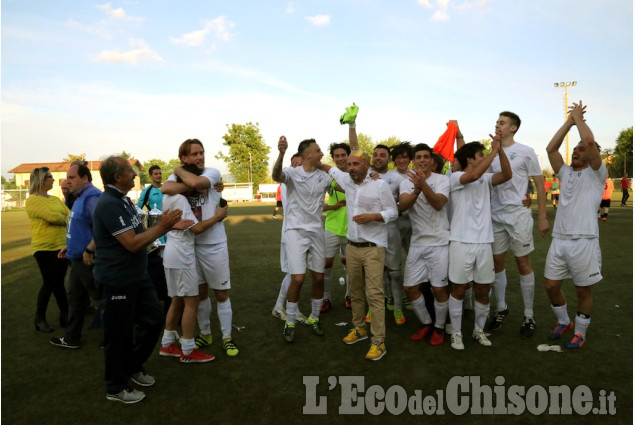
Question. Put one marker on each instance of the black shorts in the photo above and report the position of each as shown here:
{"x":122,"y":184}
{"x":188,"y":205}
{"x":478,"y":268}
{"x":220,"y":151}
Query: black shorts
{"x":606,"y":203}
{"x":555,"y":196}
{"x":278,"y":203}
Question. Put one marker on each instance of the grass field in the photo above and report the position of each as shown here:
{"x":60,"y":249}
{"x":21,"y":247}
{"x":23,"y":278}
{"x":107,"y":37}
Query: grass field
{"x":264,"y":384}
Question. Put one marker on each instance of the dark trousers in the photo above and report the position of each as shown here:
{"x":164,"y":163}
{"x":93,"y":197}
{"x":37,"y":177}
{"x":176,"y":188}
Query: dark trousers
{"x":625,"y":195}
{"x":81,"y":289}
{"x":53,"y":271}
{"x":133,"y":321}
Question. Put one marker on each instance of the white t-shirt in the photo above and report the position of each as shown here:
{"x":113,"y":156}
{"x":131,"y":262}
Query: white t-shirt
{"x":524,"y":163}
{"x":394,"y":179}
{"x":471,"y":211}
{"x":429,"y":226}
{"x":179,"y":249}
{"x":580,"y":194}
{"x":204,"y":207}
{"x":305,"y":198}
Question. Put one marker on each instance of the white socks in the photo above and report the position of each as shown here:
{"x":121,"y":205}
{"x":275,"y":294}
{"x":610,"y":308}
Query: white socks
{"x":282,"y":295}
{"x":202,"y":315}
{"x":455,"y":307}
{"x":527,"y":284}
{"x":481,"y":311}
{"x":316,"y":306}
{"x":499,"y":286}
{"x":561,"y":314}
{"x":225,"y":317}
{"x":292,"y":312}
{"x":441,"y":313}
{"x":421,"y":311}
{"x":169,"y":338}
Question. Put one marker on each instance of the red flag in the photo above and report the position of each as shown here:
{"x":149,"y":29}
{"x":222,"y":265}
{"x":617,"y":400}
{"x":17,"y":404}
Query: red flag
{"x":445,"y":144}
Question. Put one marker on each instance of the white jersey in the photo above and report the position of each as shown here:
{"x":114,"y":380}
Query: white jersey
{"x":471,"y":211}
{"x":580,"y":194}
{"x":204,"y":207}
{"x":305,"y":198}
{"x":394,"y":179}
{"x":429,"y":226}
{"x":524,"y":164}
{"x":179,"y":249}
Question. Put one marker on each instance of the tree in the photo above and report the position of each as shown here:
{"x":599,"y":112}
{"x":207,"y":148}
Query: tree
{"x":620,"y":159}
{"x":248,"y":153}
{"x":167,"y":168}
{"x":125,"y":155}
{"x":9,"y":184}
{"x":71,"y":157}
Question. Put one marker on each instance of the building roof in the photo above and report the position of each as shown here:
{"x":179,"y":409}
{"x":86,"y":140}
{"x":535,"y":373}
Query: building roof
{"x":64,"y":166}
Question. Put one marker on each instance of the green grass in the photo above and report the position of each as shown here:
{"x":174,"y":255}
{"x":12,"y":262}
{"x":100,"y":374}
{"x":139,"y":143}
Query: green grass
{"x":263,"y":385}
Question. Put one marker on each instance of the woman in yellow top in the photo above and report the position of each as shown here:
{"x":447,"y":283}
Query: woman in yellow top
{"x":48,"y":216}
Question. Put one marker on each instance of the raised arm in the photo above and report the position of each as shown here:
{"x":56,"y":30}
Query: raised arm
{"x":586,"y":136}
{"x":276,"y":173}
{"x":460,"y":141}
{"x":475,"y":174}
{"x":506,"y":170}
{"x":555,"y":158}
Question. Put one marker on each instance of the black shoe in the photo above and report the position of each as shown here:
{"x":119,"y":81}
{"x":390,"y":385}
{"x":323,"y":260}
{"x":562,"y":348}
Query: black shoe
{"x":60,"y":342}
{"x":497,"y":320}
{"x":42,"y":326}
{"x":527,"y":328}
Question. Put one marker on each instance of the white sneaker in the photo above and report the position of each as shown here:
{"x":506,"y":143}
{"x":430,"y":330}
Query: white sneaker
{"x":127,"y":396}
{"x":279,"y":313}
{"x":456,"y":342}
{"x":480,"y":337}
{"x":302,"y":319}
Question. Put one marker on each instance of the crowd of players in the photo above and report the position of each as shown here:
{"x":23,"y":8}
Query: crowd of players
{"x":455,"y":228}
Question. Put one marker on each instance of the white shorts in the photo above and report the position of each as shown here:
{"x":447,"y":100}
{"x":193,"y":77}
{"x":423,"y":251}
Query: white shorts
{"x":578,"y":259}
{"x":334,"y":245}
{"x":427,"y":263}
{"x":471,"y":262}
{"x":392,"y":260}
{"x":513,"y":230}
{"x":284,"y":263}
{"x":212,"y":265}
{"x":305,"y":250}
{"x":182,"y":282}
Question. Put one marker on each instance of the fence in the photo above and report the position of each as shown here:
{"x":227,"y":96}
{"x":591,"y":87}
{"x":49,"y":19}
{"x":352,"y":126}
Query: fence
{"x":13,"y":198}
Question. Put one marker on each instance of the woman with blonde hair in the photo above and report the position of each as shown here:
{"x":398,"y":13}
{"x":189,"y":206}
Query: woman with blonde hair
{"x":48,"y":216}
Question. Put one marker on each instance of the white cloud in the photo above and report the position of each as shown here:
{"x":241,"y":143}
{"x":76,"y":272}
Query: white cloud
{"x":116,"y":13}
{"x":290,"y":9}
{"x":219,"y":26}
{"x":424,"y":3}
{"x":440,"y":16}
{"x":319,"y":20}
{"x":140,"y":52}
{"x":91,"y":29}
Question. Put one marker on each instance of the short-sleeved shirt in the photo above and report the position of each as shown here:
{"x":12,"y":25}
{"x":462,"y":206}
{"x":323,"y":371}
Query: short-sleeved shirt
{"x":114,"y":264}
{"x":179,"y":252}
{"x":580,"y":195}
{"x":471,"y":211}
{"x":608,"y":189}
{"x":155,"y":198}
{"x":336,"y":221}
{"x":305,"y":198}
{"x":204,"y":207}
{"x":524,"y":164}
{"x":429,"y":226}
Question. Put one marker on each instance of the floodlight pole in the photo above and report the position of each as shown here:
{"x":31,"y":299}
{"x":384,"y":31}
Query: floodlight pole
{"x":566,"y":108}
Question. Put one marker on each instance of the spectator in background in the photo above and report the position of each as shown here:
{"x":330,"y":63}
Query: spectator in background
{"x":555,"y":191}
{"x":151,"y":196}
{"x":605,"y":204}
{"x":48,"y":216}
{"x":278,"y":201}
{"x":625,"y":186}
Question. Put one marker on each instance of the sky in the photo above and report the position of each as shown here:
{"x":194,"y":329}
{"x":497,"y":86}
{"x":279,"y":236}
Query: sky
{"x":142,"y":76}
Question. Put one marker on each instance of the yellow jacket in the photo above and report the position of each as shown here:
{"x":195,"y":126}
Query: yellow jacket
{"x":48,"y":217}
